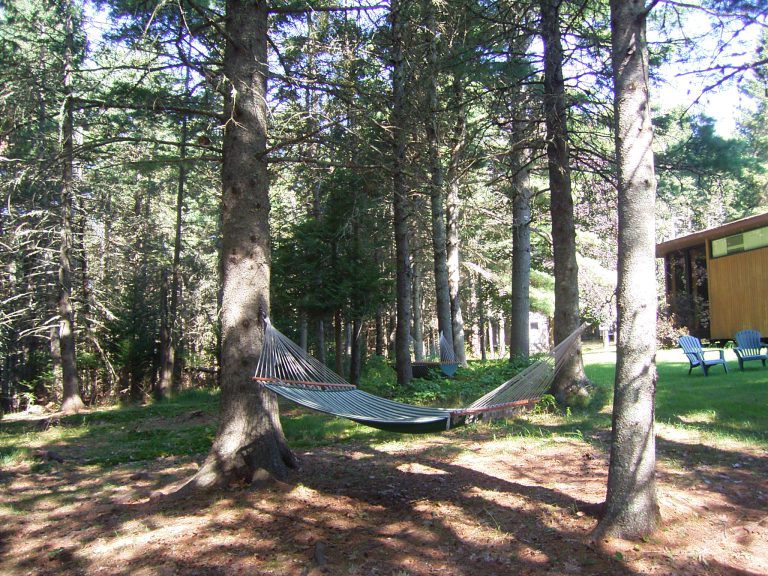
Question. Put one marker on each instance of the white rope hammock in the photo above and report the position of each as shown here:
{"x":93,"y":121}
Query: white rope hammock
{"x":287,"y":370}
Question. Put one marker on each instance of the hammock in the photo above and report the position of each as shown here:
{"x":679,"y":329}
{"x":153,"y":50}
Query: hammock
{"x":285,"y":369}
{"x":447,"y":362}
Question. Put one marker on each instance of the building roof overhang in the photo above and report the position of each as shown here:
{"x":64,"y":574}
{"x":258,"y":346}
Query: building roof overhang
{"x":735,"y":227}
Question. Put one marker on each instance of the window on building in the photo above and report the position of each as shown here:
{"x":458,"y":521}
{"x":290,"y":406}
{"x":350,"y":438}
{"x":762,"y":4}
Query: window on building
{"x":750,"y":240}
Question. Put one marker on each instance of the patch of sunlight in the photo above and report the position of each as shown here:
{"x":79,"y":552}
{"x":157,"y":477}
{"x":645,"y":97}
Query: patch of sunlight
{"x":404,"y":442}
{"x":12,"y":456}
{"x":302,"y":491}
{"x":702,"y":416}
{"x":123,"y":543}
{"x":11,"y":510}
{"x":691,"y":435}
{"x":417,"y":468}
{"x":600,"y":356}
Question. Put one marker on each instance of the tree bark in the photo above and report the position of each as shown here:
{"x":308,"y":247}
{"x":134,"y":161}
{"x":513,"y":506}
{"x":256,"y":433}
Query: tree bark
{"x":303,"y":331}
{"x":170,"y":367}
{"x":481,"y":319}
{"x":437,"y":181}
{"x":71,"y":400}
{"x":379,"y":346}
{"x":502,"y":334}
{"x":519,"y":344}
{"x":338,"y":342}
{"x":418,"y":321}
{"x":249,"y":444}
{"x":631,"y":507}
{"x":571,"y":380}
{"x":474,"y":309}
{"x":163,"y":389}
{"x":400,"y":200}
{"x":356,"y":353}
{"x":458,"y":142}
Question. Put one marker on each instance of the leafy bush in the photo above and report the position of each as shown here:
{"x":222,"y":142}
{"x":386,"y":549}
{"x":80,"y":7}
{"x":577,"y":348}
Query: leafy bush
{"x":668,"y":330}
{"x":378,"y":377}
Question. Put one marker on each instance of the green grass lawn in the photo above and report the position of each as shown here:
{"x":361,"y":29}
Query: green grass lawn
{"x":732,"y":405}
{"x":720,"y":407}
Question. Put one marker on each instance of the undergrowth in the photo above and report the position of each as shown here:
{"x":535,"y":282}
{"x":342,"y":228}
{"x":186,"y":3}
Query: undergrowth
{"x":722,"y":406}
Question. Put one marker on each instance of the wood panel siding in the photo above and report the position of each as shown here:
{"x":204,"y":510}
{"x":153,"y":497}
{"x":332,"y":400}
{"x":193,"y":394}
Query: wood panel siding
{"x":738,"y":293}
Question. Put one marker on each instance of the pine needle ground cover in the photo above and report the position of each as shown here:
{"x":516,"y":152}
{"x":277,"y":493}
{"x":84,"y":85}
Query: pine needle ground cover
{"x":87,"y":494}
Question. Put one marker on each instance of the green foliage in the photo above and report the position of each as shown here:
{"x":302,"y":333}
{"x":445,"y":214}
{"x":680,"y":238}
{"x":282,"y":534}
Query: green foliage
{"x":700,"y":173}
{"x":330,"y":262}
{"x":669,"y":330}
{"x":379,"y":377}
{"x":546,"y":405}
{"x":467,"y":385}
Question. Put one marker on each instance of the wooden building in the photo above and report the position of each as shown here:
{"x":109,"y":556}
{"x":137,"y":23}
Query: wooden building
{"x":717,"y":279}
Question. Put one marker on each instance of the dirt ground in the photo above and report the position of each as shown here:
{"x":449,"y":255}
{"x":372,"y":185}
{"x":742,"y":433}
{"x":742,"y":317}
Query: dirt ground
{"x":453,"y":504}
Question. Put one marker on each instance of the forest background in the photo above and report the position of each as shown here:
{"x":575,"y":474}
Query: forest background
{"x":110,"y":154}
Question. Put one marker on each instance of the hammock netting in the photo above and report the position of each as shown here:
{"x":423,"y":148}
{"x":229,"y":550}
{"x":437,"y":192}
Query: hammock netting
{"x":284,"y":368}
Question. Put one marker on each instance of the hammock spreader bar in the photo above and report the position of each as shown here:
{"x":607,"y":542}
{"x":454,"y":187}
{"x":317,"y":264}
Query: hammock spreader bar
{"x":284,"y":368}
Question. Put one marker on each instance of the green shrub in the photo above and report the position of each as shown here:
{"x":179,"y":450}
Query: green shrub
{"x":378,"y":377}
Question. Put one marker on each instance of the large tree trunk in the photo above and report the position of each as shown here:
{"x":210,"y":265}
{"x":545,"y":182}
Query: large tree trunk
{"x":71,"y":401}
{"x":249,"y":443}
{"x":519,"y":344}
{"x":436,"y":195}
{"x":571,"y":379}
{"x":458,"y":141}
{"x":632,"y":509}
{"x":400,"y":201}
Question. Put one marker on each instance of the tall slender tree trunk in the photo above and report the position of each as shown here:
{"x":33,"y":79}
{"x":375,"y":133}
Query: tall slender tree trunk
{"x":502,"y":334}
{"x":631,"y":507}
{"x":391,"y":331}
{"x":458,"y":141}
{"x":162,"y":390}
{"x":570,"y":381}
{"x":303,"y":331}
{"x":418,"y":320}
{"x":170,"y":363}
{"x":356,"y":352}
{"x":249,"y":443}
{"x":400,"y":199}
{"x":437,"y":181}
{"x":474,"y":314}
{"x":87,"y":309}
{"x":55,"y":351}
{"x":71,"y":401}
{"x":379,"y":346}
{"x":519,"y":345}
{"x":338,"y":342}
{"x":481,"y":319}
{"x":320,"y":339}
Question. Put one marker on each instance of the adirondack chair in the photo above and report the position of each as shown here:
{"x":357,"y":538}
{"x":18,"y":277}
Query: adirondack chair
{"x":749,"y":347}
{"x":692,"y":348}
